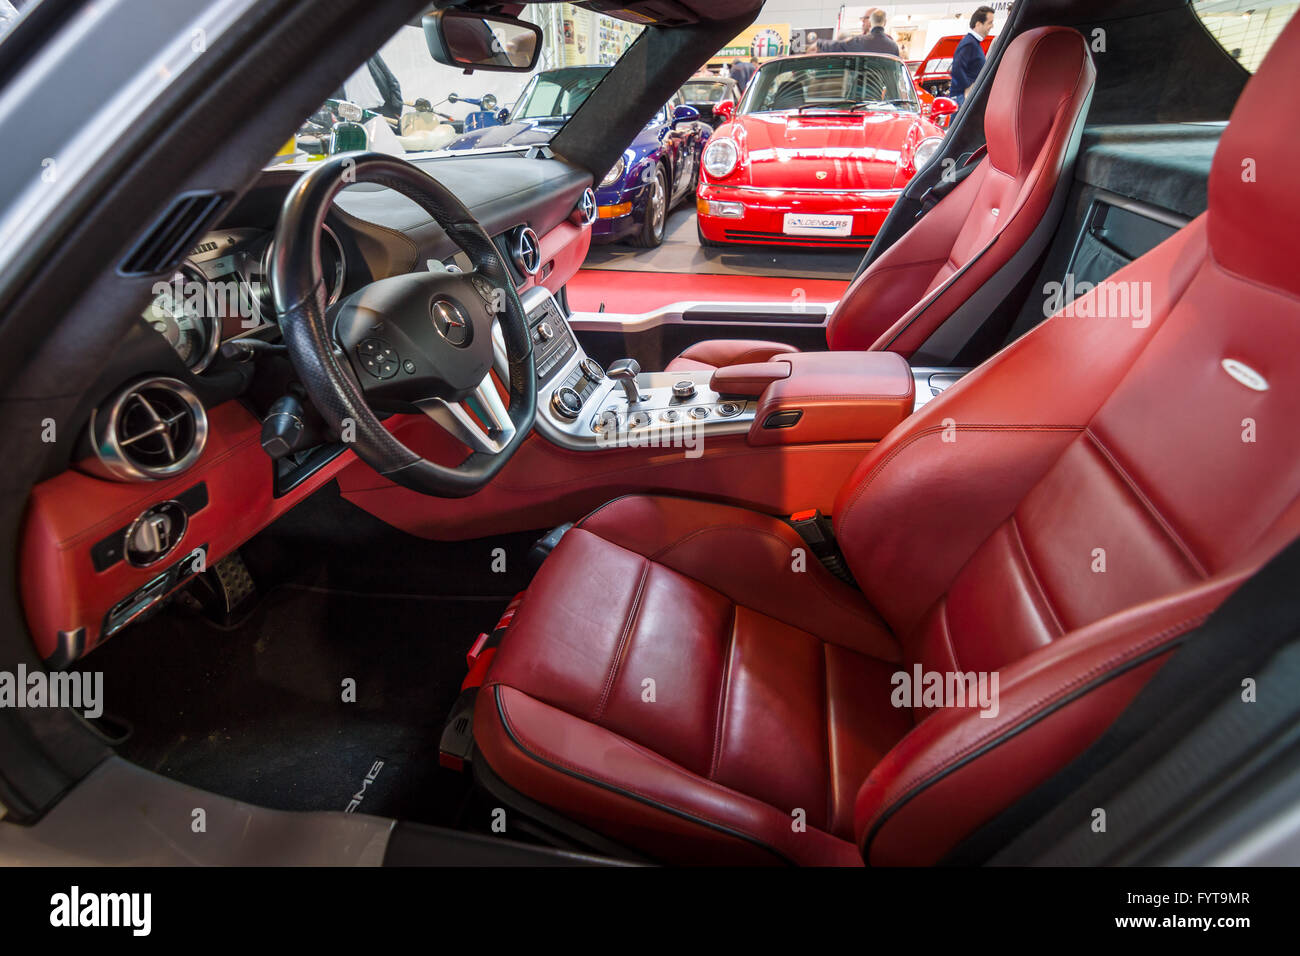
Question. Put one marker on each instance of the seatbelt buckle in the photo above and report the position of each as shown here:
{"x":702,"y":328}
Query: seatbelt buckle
{"x":815,"y":529}
{"x":818,"y":533}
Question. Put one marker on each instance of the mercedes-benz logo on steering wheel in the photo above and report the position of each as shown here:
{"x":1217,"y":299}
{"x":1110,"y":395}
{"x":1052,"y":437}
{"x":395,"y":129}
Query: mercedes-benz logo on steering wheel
{"x":451,"y":321}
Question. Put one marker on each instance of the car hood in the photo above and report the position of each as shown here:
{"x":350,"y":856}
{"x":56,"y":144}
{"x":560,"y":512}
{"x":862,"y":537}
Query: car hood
{"x":526,"y":133}
{"x":825,"y":150}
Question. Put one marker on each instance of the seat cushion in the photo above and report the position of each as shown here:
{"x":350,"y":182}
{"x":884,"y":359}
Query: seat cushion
{"x":718,"y":353}
{"x":676,"y":680}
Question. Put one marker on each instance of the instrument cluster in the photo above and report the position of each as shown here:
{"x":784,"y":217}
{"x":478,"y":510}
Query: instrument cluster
{"x":221,"y":292}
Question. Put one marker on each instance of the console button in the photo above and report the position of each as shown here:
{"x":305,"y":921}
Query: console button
{"x":591,"y":370}
{"x":684,"y":389}
{"x":606,"y":421}
{"x":699,"y":411}
{"x":566,"y":403}
{"x":728,"y":409}
{"x":671,"y":415}
{"x":639,"y":420}
{"x":545,"y":332}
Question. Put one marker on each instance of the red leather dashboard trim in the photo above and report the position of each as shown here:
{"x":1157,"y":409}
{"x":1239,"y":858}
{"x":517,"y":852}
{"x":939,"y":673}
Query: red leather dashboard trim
{"x":69,"y":513}
{"x":563,"y":250}
{"x":544,"y":485}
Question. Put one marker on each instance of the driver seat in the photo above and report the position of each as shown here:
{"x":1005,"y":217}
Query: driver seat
{"x":1035,"y":115}
{"x":1061,"y":518}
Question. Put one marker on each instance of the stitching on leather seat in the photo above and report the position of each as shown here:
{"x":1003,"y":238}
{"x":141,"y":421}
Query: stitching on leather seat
{"x":934,"y":430}
{"x":623,"y":639}
{"x":1033,"y":575}
{"x":1147,"y":504}
{"x":720,"y":719}
{"x":542,"y":753}
{"x":1044,"y":705}
{"x":769,"y":534}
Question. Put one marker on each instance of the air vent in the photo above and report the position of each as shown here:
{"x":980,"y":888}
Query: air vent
{"x":176,"y":231}
{"x":150,"y":430}
{"x":526,"y":251}
{"x":584,"y":214}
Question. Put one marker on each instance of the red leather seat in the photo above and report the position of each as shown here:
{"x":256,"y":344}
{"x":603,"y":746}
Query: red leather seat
{"x":1061,"y":517}
{"x":1035,"y":111}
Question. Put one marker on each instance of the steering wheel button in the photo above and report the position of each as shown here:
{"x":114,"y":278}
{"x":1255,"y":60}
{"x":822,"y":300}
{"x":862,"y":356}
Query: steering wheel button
{"x":409,"y":367}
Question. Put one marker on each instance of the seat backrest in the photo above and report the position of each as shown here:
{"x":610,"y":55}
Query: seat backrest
{"x":1065,"y":513}
{"x":1034,"y":115}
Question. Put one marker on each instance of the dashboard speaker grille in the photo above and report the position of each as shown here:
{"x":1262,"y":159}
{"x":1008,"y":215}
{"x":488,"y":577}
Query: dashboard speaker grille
{"x":150,"y":430}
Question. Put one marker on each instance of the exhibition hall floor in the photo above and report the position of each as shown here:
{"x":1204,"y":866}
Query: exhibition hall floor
{"x":625,"y":279}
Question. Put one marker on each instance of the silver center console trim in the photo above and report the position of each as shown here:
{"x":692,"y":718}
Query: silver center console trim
{"x":668,"y":421}
{"x":772,"y":315}
{"x":931,"y":382}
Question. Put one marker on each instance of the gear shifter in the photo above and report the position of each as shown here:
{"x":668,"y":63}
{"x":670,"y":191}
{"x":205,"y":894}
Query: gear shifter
{"x":625,"y":372}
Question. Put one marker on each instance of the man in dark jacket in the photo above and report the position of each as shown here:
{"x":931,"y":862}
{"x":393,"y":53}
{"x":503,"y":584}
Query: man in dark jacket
{"x":741,"y":72}
{"x":969,"y":58}
{"x":872,"y":39}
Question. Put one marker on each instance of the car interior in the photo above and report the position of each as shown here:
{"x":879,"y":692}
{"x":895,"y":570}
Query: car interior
{"x":409,"y":561}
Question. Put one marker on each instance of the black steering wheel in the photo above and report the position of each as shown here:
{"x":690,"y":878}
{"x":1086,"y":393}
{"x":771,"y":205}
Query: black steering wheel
{"x":418,"y":342}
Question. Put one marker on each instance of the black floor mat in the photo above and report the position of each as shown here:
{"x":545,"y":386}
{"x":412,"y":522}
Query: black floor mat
{"x":257,"y":712}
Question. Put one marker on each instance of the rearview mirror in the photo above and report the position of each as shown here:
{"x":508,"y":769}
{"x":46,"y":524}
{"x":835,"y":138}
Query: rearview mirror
{"x":482,"y":41}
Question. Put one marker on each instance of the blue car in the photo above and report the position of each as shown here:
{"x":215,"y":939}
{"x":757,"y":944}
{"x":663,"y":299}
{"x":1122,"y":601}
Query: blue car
{"x":658,"y":169}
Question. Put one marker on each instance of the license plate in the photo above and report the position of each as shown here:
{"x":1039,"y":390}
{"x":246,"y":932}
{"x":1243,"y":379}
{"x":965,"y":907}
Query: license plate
{"x":802,"y":224}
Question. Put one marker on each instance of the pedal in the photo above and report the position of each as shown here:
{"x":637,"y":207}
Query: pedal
{"x":225,"y":590}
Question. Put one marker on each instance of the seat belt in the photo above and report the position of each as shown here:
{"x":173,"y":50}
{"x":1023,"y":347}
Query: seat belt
{"x":966,"y":165}
{"x":1237,"y":639}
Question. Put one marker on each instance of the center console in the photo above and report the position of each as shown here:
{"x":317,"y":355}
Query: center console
{"x":582,"y":408}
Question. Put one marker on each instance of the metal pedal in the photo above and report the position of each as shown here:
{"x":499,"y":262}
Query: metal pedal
{"x":225,"y":590}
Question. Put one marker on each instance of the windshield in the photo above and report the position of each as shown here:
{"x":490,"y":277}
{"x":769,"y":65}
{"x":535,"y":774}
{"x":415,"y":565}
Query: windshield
{"x":704,"y":91}
{"x":557,"y":94}
{"x":403,"y":102}
{"x":834,"y":82}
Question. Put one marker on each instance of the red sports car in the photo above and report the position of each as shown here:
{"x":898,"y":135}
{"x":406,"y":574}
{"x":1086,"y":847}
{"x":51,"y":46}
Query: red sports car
{"x":818,"y":152}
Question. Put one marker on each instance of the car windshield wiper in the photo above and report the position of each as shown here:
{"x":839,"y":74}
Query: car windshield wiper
{"x":848,"y":106}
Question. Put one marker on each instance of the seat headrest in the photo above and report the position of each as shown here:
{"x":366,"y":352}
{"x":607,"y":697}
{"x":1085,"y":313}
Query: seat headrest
{"x":1254,"y":198}
{"x":1039,"y":70}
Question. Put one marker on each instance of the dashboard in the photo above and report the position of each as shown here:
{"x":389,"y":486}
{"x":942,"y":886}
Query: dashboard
{"x":166,"y":467}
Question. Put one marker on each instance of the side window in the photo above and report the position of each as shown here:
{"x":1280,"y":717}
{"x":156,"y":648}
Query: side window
{"x":1245,"y":29}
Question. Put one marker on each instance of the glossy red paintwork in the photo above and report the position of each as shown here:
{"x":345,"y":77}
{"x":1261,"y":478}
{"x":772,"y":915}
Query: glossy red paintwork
{"x":831,"y":163}
{"x":937,"y":64}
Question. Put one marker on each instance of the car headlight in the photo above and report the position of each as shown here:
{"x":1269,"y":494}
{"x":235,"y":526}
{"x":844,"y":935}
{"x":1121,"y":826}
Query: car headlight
{"x":615,"y":173}
{"x":720,"y":157}
{"x":925,"y":150}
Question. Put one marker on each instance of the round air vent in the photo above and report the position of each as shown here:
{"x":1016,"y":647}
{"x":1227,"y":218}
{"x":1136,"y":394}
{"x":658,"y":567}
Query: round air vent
{"x":584,"y":214}
{"x":153,"y":429}
{"x":527,"y":251}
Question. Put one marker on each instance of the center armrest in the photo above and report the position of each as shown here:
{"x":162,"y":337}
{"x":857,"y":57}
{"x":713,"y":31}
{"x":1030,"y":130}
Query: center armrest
{"x":833,"y":397}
